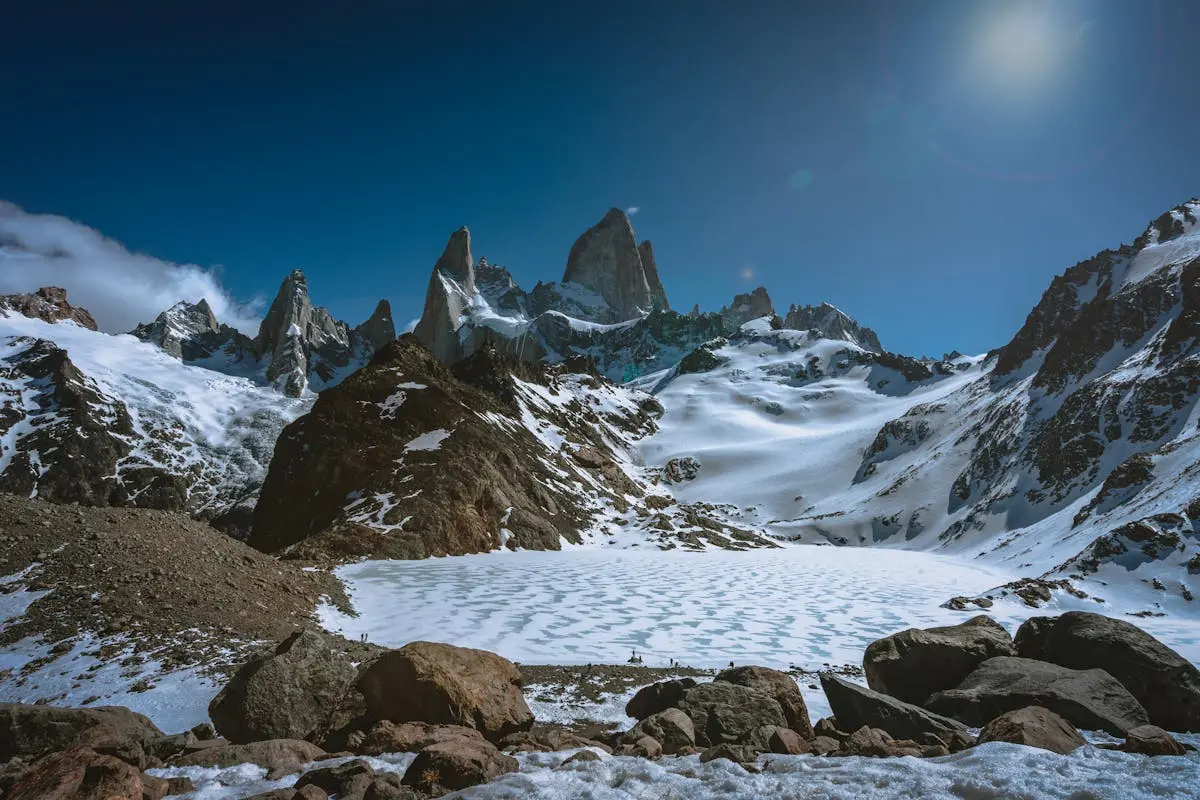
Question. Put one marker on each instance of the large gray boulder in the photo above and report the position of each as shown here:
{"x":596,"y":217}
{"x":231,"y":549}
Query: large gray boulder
{"x":913,"y":664}
{"x":856,"y":706}
{"x":727,"y":713}
{"x":779,"y":685}
{"x":1091,"y":699}
{"x":446,"y":685}
{"x":291,"y":693}
{"x":606,"y":260}
{"x":658,"y":697}
{"x":1164,"y":682}
{"x":32,"y":731}
{"x":671,"y":728}
{"x":1033,"y":726}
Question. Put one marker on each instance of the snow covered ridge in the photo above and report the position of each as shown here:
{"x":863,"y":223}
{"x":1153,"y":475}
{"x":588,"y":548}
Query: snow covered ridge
{"x":109,"y":420}
{"x":408,"y":458}
{"x":610,"y":306}
{"x":298,"y":344}
{"x":1068,"y":455}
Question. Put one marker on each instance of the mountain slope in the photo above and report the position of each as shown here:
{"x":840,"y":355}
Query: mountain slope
{"x":409,"y":458}
{"x":110,"y":420}
{"x":1071,"y":452}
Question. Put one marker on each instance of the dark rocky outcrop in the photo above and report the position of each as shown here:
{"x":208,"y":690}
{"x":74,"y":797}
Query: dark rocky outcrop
{"x":727,"y":713}
{"x":856,"y":706}
{"x":830,"y":322}
{"x":778,"y":685}
{"x":913,"y":664}
{"x":33,"y":731}
{"x":455,"y":765}
{"x":658,"y":697}
{"x":1151,"y":740}
{"x":79,"y":773}
{"x":747,"y":307}
{"x":1165,"y":683}
{"x":658,"y":294}
{"x":405,"y":459}
{"x":190,"y":332}
{"x":279,"y":757}
{"x":606,"y":260}
{"x":297,"y":339}
{"x":48,"y":304}
{"x":1091,"y":699}
{"x":671,"y":728}
{"x":442,"y":684}
{"x":1033,"y":726}
{"x":290,"y":693}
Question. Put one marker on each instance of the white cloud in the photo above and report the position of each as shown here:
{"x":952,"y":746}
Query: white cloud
{"x":746,"y":273}
{"x":411,"y":326}
{"x":633,"y":210}
{"x":118,"y":287}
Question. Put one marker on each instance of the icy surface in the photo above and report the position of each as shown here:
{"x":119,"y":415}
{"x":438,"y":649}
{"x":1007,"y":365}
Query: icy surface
{"x":802,"y":605}
{"x":221,"y":427}
{"x":990,"y":772}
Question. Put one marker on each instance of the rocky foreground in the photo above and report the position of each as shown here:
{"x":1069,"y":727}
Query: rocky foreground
{"x":462,"y":712}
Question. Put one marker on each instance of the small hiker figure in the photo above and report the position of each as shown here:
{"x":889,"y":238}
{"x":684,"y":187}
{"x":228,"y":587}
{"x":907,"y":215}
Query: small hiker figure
{"x":634,"y":658}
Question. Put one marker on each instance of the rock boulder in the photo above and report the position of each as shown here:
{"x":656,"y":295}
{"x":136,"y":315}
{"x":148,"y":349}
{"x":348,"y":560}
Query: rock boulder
{"x":1033,"y":726}
{"x":1165,"y":683}
{"x":913,"y":664}
{"x":442,"y":684}
{"x":291,"y":693}
{"x":1091,"y":699}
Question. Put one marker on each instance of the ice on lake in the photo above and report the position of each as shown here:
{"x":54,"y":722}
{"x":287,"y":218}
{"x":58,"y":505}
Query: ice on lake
{"x":800,"y":605}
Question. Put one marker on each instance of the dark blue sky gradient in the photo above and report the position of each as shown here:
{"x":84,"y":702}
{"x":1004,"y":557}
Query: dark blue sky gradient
{"x":838,"y":151}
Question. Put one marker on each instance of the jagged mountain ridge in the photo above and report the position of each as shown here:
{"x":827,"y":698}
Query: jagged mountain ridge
{"x":1069,"y":453}
{"x":610,"y":306}
{"x":297,"y":343}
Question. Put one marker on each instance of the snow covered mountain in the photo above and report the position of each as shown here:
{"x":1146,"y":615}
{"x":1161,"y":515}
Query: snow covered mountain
{"x":298,"y":344}
{"x":108,"y":420}
{"x":610,"y":306}
{"x":1071,"y":453}
{"x":185,"y":419}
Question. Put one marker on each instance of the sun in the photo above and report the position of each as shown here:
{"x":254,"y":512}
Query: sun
{"x":1019,"y":46}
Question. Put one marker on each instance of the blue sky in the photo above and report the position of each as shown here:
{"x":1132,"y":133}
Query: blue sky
{"x":926,"y":166}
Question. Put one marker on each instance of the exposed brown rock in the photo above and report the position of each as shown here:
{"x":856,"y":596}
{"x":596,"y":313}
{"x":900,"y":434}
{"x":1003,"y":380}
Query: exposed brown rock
{"x":913,"y":664}
{"x":446,"y":685}
{"x":778,"y":685}
{"x":1033,"y":726}
{"x":48,"y":304}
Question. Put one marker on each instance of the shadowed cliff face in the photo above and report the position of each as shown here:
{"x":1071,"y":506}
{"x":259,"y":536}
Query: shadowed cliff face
{"x":408,"y":459}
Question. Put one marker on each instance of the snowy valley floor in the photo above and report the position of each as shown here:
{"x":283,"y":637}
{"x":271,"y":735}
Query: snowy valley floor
{"x":801,"y":606}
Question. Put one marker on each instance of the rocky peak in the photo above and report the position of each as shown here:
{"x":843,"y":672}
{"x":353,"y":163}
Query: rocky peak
{"x":281,"y":336}
{"x":1170,"y":225}
{"x":607,"y":261}
{"x":456,"y":262}
{"x":832,"y":323}
{"x":49,"y":304}
{"x":448,"y":298}
{"x":746,"y":307}
{"x":185,"y":330}
{"x":378,"y":329}
{"x":658,"y":294}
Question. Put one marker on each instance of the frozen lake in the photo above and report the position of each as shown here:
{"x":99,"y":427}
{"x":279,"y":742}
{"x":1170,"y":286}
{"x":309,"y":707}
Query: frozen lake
{"x":800,"y":605}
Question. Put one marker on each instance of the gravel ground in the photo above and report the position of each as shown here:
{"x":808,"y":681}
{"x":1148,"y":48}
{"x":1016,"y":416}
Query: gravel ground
{"x":177,"y":587}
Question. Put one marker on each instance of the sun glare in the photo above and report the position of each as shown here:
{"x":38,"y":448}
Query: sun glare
{"x":1019,"y":47}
